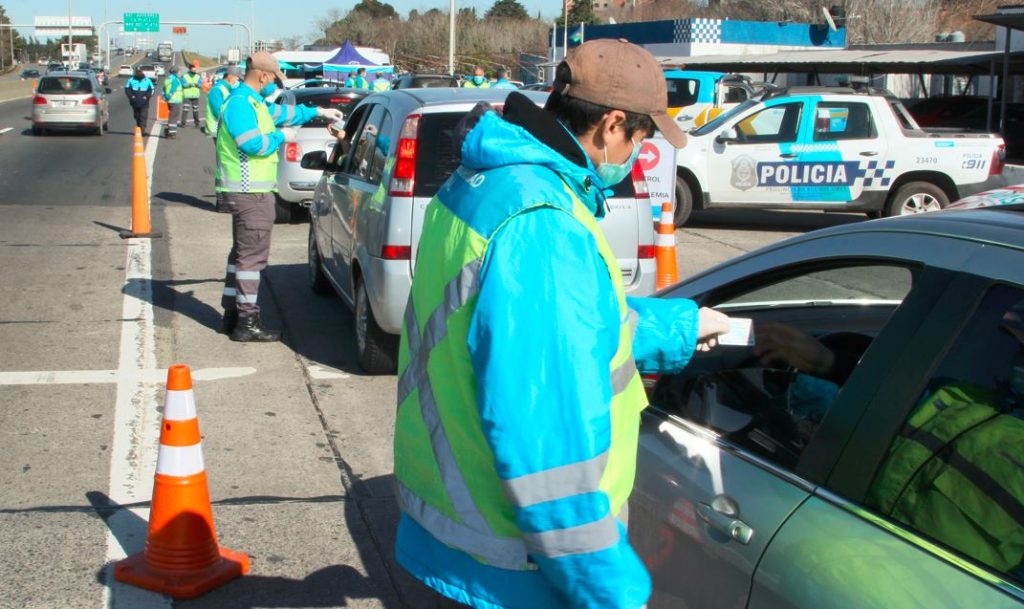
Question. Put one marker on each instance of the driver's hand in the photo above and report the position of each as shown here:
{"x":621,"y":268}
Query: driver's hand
{"x":710,"y":323}
{"x":780,"y":342}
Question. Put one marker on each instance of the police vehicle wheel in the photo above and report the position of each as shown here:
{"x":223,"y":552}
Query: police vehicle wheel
{"x":375,"y":348}
{"x":317,"y":279}
{"x":282,"y":210}
{"x":916,"y":198}
{"x":684,"y":203}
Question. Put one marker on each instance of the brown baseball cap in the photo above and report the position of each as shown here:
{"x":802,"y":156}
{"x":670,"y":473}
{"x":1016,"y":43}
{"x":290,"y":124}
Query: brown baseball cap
{"x":619,"y":75}
{"x":266,"y":62}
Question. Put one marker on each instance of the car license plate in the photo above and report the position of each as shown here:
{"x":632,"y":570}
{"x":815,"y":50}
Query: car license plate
{"x":65,"y":103}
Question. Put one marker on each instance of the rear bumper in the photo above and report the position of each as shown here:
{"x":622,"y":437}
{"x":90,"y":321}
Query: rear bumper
{"x":85,"y":118}
{"x":388,"y":283}
{"x":644,"y":282}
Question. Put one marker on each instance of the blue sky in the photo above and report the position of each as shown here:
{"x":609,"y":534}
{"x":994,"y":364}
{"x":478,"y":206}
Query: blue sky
{"x":273,"y":18}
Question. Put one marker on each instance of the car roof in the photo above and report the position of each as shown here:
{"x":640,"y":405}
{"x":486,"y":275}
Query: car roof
{"x":314,"y":91}
{"x":64,"y":73}
{"x":450,"y":95}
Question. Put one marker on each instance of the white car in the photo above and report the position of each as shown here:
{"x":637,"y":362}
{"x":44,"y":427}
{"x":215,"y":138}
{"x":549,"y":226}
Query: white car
{"x":125,"y":70}
{"x":149,"y":71}
{"x":160,"y":70}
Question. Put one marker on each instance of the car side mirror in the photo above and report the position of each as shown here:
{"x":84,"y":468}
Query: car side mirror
{"x":316,"y":160}
{"x":728,"y":136}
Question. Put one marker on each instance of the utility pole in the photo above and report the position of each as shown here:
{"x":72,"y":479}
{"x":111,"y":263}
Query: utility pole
{"x":70,"y":36}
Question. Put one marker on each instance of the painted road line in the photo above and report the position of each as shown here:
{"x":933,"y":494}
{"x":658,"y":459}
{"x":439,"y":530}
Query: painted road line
{"x":136,"y":420}
{"x":319,"y":373}
{"x":96,"y":377}
{"x":5,"y":130}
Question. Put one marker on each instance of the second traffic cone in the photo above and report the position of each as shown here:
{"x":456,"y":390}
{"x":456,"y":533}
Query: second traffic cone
{"x":163,"y":111}
{"x":665,"y":249}
{"x":141,"y":226}
{"x":182,"y":558}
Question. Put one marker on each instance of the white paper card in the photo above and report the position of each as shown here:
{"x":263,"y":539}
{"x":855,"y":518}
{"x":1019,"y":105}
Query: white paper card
{"x":740,"y":333}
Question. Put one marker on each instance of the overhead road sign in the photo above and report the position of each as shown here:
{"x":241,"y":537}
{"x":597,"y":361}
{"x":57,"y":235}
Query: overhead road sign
{"x":179,"y":29}
{"x":142,"y":22}
{"x":57,"y":26}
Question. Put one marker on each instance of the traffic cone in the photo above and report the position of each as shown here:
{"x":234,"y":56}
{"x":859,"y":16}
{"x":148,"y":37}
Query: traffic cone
{"x":163,"y":111}
{"x":182,"y":558}
{"x":141,"y":226}
{"x":665,"y":249}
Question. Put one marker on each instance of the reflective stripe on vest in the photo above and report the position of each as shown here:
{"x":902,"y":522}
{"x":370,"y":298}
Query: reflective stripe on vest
{"x":448,"y":508}
{"x":951,"y":474}
{"x":236,"y":170}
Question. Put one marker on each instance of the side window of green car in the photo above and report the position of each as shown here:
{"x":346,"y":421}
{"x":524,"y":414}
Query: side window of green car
{"x":955,"y":471}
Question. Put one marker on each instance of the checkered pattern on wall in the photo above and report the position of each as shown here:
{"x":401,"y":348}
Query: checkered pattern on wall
{"x":697,"y":30}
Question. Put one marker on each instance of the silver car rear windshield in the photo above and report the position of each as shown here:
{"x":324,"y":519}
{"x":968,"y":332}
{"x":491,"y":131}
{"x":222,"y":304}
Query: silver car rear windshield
{"x":66,"y":85}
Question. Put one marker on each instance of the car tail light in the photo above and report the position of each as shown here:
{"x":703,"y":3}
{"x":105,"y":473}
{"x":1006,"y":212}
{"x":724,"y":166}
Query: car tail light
{"x":998,"y":157}
{"x":403,"y":178}
{"x":396,"y":252}
{"x":39,"y":100}
{"x":645,"y":251}
{"x":292,"y":152}
{"x":90,"y":101}
{"x":639,"y":182}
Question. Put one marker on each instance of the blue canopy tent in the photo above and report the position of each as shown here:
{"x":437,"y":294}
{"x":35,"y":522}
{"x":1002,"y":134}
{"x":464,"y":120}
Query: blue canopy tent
{"x":347,"y":60}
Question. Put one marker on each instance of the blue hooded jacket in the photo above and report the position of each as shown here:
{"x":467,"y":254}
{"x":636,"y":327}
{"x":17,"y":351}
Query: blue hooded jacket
{"x":545,"y":327}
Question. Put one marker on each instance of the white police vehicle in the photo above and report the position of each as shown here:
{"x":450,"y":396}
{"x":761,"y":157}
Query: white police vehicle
{"x":831,"y":148}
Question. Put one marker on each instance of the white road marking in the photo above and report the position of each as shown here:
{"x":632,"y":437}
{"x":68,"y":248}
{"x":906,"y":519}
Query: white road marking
{"x":93,"y":377}
{"x":136,"y":418}
{"x":319,"y":373}
{"x":5,"y":130}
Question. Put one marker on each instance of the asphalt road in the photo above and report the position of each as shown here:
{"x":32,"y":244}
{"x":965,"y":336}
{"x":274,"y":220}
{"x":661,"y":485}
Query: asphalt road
{"x":296,"y":440}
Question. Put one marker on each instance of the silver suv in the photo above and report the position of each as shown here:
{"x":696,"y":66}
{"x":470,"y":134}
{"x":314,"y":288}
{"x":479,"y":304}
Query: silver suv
{"x":70,"y":99}
{"x":367,"y":210}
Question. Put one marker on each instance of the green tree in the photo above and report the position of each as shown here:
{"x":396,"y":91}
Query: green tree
{"x":506,"y":9}
{"x":582,"y":11}
{"x":375,"y":9}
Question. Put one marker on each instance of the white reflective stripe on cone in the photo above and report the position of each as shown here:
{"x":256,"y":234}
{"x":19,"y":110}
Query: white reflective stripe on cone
{"x":180,"y":460}
{"x":664,"y":240}
{"x":180,"y":405}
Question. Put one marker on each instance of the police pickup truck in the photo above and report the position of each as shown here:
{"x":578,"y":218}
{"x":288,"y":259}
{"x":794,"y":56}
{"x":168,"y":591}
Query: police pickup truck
{"x":831,"y":148}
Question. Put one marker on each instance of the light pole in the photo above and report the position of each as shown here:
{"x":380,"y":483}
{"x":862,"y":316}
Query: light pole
{"x":69,"y":30}
{"x":451,"y":37}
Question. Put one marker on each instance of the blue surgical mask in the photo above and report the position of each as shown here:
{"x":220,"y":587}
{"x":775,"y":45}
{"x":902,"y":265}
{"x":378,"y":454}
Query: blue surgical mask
{"x":610,"y":173}
{"x":268,"y":90}
{"x":478,"y":80}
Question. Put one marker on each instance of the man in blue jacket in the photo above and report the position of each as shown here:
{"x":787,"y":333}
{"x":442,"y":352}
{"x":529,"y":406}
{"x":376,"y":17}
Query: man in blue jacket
{"x":519,"y":394}
{"x":139,"y":90}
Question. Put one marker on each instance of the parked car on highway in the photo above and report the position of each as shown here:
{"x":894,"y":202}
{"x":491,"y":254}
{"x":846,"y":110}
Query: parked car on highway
{"x":831,"y":148}
{"x":890,"y":478}
{"x":125,"y":70}
{"x":149,"y":71}
{"x":29,"y":73}
{"x":295,"y":185}
{"x":70,"y":100}
{"x":424,"y":81}
{"x":368,"y":209}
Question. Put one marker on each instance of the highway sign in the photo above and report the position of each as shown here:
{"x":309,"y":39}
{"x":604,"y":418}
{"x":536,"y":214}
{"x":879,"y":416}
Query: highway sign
{"x":142,"y":22}
{"x":57,"y":27}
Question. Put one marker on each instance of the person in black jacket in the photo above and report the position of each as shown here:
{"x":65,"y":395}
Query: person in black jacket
{"x":139,"y":91}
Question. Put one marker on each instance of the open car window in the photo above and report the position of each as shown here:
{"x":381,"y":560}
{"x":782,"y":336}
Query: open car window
{"x":811,"y":327}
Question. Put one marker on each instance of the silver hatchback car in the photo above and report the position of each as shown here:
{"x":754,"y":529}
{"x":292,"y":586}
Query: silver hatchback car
{"x":70,"y":100}
{"x":368,"y":209}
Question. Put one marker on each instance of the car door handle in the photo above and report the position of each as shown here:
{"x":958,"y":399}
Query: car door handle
{"x":725,"y":523}
{"x":869,"y":153}
{"x":788,"y":155}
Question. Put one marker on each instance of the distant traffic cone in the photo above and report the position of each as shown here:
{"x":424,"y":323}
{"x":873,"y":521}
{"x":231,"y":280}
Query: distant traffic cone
{"x":141,"y":226}
{"x":665,"y":249}
{"x":163,"y":111}
{"x":182,"y":558}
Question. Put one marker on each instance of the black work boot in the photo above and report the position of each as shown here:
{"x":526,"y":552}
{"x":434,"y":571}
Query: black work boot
{"x":228,"y":323}
{"x":250,"y":330}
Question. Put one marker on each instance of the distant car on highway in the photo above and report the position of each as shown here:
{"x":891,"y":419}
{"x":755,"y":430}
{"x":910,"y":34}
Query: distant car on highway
{"x":29,"y":73}
{"x":424,"y":81}
{"x":54,"y":66}
{"x":876,"y":481}
{"x":70,"y":100}
{"x":125,"y":70}
{"x":159,"y":69}
{"x":148,"y":70}
{"x":295,"y":185}
{"x":369,"y":204}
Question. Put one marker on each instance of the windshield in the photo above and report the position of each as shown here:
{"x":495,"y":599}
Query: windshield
{"x":717,"y":122}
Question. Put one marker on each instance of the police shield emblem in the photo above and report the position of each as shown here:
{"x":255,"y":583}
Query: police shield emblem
{"x":744,"y":173}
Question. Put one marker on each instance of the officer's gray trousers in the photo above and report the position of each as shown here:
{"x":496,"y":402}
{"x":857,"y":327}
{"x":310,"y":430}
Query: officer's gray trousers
{"x":252,"y":220}
{"x":190,"y":105}
{"x":173,"y":117}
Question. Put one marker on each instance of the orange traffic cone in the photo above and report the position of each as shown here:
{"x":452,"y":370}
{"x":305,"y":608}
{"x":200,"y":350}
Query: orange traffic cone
{"x":141,"y":226}
{"x":665,"y":249}
{"x":182,"y":558}
{"x":163,"y":111}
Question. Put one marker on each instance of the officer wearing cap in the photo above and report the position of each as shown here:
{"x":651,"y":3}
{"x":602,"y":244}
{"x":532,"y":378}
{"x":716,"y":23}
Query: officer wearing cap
{"x":214,"y":102}
{"x":173,"y":97}
{"x":247,"y":144}
{"x":519,"y":393}
{"x":139,"y":90}
{"x":191,"y":85}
